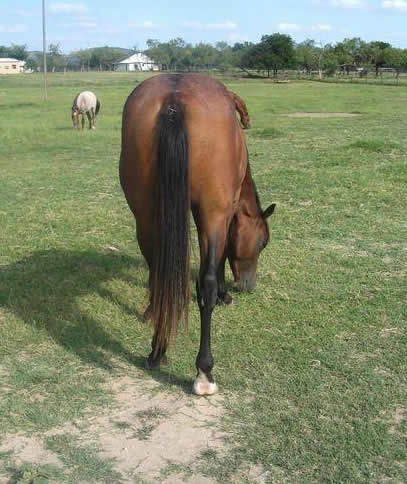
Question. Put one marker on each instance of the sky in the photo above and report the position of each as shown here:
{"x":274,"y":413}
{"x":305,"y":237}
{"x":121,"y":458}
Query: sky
{"x":80,"y":24}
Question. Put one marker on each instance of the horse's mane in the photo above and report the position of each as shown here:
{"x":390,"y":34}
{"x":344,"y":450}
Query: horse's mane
{"x":74,"y":104}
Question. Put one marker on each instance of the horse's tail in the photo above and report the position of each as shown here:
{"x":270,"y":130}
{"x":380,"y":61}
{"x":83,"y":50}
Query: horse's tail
{"x":97,"y":106}
{"x":169,"y":283}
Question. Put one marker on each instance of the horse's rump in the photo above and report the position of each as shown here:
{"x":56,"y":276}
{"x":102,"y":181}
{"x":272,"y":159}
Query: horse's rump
{"x":85,"y":101}
{"x":217,"y":149}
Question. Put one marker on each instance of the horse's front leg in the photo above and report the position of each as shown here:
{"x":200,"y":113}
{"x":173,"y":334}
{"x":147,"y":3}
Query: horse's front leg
{"x":223,"y":296}
{"x":207,"y":294}
{"x":83,"y":120}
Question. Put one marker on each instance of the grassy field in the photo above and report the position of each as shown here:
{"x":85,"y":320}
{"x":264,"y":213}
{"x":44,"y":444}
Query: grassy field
{"x":312,"y":365}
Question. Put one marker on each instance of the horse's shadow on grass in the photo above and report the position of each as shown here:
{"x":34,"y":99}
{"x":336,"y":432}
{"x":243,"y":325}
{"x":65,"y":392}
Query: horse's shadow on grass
{"x":44,"y":290}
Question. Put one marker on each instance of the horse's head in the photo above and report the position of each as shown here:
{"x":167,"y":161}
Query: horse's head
{"x":249,"y":235}
{"x":75,"y":117}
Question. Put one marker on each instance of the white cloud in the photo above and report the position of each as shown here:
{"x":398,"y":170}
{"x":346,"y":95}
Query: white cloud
{"x":395,"y":5}
{"x":289,"y":27}
{"x":68,"y":8}
{"x":228,"y":25}
{"x":321,"y":27}
{"x":13,"y":28}
{"x":348,"y":3}
{"x":147,"y":24}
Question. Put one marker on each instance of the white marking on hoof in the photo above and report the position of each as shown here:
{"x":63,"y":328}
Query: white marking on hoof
{"x":202,"y":386}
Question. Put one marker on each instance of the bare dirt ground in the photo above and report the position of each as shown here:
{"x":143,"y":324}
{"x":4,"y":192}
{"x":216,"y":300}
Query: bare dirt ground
{"x":148,"y":436}
{"x":321,"y":115}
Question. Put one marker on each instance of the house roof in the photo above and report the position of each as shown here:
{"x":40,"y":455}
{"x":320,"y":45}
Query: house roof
{"x":134,"y":58}
{"x":10,"y":59}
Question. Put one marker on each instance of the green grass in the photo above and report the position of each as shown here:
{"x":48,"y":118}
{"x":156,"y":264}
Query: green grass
{"x":313,"y":362}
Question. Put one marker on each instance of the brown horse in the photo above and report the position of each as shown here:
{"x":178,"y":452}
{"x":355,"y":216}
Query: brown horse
{"x":183,"y":149}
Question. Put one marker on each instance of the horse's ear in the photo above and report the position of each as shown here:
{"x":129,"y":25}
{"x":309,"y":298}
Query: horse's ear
{"x":269,"y":210}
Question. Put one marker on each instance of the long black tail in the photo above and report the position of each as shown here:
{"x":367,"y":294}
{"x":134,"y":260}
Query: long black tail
{"x":169,"y":286}
{"x":97,"y":106}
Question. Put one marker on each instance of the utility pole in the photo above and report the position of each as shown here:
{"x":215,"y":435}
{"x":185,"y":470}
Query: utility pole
{"x":44,"y":51}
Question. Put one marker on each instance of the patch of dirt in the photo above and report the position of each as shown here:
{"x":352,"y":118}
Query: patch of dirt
{"x":394,"y":418}
{"x":146,"y":432}
{"x":4,"y":386}
{"x":321,"y":115}
{"x":385,"y":332}
{"x":27,"y":449}
{"x":148,"y":435}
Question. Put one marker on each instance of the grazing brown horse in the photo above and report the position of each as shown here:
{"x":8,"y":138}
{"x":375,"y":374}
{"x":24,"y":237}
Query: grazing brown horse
{"x":183,"y":149}
{"x":241,"y":108}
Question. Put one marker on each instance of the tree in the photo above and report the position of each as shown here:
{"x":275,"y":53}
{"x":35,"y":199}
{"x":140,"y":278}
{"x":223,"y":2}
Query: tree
{"x":84,"y":56}
{"x":18,"y":52}
{"x":224,"y":56}
{"x":378,"y":54}
{"x":159,"y":52}
{"x":104,"y":57}
{"x":350,"y":52}
{"x":204,"y":55}
{"x":274,"y":52}
{"x":396,"y":58}
{"x":56,"y":61}
{"x":308,"y":55}
{"x":174,"y":54}
{"x":239,"y":51}
{"x":33,"y":62}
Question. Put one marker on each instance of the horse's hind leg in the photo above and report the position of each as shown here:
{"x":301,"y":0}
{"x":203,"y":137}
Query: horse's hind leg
{"x":93,"y":118}
{"x":144,"y":237}
{"x":212,"y":250}
{"x":83,"y":121}
{"x":89,"y":116}
{"x":157,"y":356}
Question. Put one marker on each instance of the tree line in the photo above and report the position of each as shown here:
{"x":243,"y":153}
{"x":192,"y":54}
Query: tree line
{"x":268,"y":56}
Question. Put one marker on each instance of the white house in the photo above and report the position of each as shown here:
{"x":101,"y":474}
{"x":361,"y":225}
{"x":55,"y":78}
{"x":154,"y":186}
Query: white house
{"x":11,"y":66}
{"x":136,"y":62}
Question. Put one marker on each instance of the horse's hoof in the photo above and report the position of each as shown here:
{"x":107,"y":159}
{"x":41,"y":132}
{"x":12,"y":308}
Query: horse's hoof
{"x":154,"y":364}
{"x":147,"y":314}
{"x":224,"y":299}
{"x":202,"y":386}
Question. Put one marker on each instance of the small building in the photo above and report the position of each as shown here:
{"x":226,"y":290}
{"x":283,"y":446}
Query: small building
{"x":11,"y":66}
{"x":136,"y":62}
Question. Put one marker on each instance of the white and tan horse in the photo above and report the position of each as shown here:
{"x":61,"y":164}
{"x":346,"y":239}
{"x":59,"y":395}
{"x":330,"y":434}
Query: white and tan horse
{"x":85,"y":103}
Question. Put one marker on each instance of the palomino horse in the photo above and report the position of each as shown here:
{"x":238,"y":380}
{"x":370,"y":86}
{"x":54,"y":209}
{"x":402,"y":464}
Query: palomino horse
{"x":85,"y":102}
{"x":241,"y":108}
{"x":183,"y":148}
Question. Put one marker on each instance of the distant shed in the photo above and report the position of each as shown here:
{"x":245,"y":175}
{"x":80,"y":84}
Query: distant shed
{"x":11,"y":66}
{"x":136,"y":62}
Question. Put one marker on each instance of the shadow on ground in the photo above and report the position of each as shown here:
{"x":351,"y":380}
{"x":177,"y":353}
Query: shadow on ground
{"x":44,"y":290}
